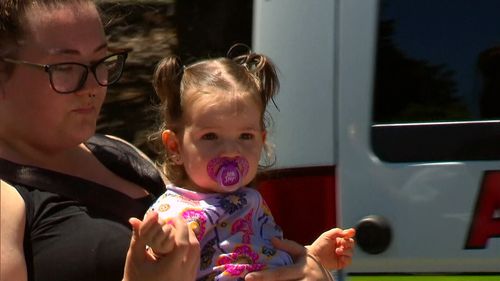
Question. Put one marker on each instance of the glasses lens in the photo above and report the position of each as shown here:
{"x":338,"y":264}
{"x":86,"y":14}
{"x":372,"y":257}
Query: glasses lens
{"x":110,"y":69}
{"x":67,"y":77}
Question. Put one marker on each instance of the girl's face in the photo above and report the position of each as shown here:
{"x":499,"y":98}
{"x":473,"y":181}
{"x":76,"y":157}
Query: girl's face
{"x":30,"y":110}
{"x":215,"y":128}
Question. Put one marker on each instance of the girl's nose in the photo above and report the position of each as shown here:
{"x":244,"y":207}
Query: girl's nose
{"x":230,"y":149}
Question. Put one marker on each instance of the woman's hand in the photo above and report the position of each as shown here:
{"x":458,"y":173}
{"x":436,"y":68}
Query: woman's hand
{"x":305,"y":267}
{"x":181,"y":262}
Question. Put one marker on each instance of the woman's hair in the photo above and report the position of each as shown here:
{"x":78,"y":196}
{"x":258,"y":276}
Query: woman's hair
{"x":13,"y":16}
{"x":251,"y":74}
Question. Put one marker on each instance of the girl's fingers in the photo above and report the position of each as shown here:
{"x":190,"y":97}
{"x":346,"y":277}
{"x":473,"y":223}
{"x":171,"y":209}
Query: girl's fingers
{"x":346,"y":243}
{"x":334,"y":233}
{"x":180,"y":238}
{"x":163,"y":240}
{"x":193,"y":256}
{"x":168,"y":241}
{"x":151,"y":231}
{"x":349,"y":233}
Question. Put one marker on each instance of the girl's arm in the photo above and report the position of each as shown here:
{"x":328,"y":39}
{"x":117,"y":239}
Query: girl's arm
{"x":305,"y":268}
{"x":13,"y":217}
{"x":334,"y":248}
{"x":181,"y":263}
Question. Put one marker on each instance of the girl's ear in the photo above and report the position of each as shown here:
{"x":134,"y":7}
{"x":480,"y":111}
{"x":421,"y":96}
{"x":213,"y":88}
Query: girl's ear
{"x":264,"y":136}
{"x":170,"y":141}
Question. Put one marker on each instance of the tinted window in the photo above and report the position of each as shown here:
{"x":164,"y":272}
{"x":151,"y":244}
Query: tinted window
{"x":438,"y":61}
{"x":437,"y":81}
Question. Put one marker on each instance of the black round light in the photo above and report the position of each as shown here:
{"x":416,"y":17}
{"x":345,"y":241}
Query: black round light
{"x":373,"y":234}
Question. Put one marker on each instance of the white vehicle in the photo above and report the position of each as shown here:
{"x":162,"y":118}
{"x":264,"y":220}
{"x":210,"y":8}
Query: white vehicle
{"x":388,"y":121}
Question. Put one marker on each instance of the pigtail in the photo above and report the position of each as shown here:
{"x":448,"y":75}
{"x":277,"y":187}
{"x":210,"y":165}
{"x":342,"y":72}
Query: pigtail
{"x":265,"y":72}
{"x":167,"y":79}
{"x":167,"y":84}
{"x":262,"y":69}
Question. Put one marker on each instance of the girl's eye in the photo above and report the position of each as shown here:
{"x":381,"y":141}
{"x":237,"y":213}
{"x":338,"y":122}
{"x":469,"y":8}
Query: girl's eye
{"x":209,"y":136}
{"x":246,"y":136}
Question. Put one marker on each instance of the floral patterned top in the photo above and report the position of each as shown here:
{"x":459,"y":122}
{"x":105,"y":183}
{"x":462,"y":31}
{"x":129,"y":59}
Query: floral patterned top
{"x":234,"y":230}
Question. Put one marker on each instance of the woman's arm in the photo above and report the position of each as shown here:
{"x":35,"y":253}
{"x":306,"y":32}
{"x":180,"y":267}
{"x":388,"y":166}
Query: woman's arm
{"x":332,"y":250}
{"x":305,"y":268}
{"x":13,"y":217}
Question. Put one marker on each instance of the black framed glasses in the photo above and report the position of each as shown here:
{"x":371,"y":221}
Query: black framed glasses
{"x":70,"y":77}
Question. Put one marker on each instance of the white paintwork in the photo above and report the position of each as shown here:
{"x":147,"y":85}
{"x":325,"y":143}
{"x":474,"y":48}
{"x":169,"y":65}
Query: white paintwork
{"x":325,"y":51}
{"x":298,"y":36}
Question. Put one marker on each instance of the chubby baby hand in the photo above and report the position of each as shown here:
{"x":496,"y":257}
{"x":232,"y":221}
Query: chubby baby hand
{"x":334,"y":248}
{"x":160,"y":237}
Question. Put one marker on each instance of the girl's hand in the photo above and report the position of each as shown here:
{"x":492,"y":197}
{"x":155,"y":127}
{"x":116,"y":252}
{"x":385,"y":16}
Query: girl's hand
{"x":334,"y":248}
{"x":305,"y":267}
{"x":159,"y":238}
{"x":181,"y":262}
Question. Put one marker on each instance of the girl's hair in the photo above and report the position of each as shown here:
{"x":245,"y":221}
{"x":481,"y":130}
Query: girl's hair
{"x":253,"y":74}
{"x":13,"y":15}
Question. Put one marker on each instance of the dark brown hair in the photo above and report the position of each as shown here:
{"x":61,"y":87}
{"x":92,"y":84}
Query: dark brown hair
{"x":13,"y":15}
{"x":250,"y":73}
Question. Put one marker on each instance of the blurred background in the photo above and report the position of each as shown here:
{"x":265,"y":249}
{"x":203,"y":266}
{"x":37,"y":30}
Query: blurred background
{"x":190,"y":29}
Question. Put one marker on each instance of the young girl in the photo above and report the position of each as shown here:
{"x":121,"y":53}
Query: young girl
{"x":214,"y":133}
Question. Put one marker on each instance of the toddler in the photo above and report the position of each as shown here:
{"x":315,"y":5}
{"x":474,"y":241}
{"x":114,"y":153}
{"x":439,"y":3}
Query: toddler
{"x":214,"y":133}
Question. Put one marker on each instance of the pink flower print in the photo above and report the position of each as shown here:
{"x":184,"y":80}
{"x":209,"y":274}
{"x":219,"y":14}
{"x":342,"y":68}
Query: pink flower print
{"x":197,"y":220}
{"x":244,"y":225}
{"x":240,"y":262}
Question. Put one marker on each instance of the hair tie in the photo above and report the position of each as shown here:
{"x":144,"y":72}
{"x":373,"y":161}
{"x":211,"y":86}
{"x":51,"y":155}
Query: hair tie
{"x":233,"y":54}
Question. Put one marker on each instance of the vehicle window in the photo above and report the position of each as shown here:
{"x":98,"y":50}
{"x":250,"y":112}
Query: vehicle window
{"x":437,"y":81}
{"x":437,"y":61}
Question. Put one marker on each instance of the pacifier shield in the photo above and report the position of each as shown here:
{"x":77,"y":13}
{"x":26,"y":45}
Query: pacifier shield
{"x":228,"y":172}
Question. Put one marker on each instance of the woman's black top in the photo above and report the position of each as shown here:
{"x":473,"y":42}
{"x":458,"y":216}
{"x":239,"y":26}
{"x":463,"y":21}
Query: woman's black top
{"x":83,"y":234}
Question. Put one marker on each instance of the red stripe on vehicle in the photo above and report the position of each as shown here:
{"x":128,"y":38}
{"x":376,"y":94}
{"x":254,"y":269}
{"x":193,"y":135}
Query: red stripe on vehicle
{"x":302,"y":200}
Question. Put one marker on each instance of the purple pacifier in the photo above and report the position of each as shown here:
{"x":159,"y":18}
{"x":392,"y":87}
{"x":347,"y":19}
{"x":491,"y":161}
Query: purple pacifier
{"x":227,"y":172}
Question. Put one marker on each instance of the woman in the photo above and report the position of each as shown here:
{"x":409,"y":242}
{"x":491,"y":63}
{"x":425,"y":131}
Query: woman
{"x":65,"y":214}
{"x":49,"y":115}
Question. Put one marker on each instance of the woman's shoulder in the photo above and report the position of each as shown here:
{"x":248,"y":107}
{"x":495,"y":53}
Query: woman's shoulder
{"x":113,"y":145}
{"x":10,"y":197}
{"x":127,"y":161}
{"x":12,"y":213}
{"x":12,"y":209}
